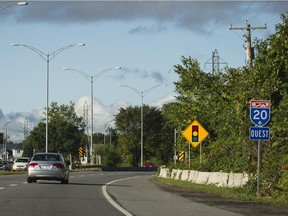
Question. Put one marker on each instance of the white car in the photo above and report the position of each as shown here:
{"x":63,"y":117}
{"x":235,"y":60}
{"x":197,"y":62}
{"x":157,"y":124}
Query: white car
{"x":20,"y":163}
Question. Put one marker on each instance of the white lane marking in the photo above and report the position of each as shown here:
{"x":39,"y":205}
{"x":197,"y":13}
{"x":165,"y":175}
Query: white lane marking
{"x":112,"y":202}
{"x":1,"y":188}
{"x":13,"y":185}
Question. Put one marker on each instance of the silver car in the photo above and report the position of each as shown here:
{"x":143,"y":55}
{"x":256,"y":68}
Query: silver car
{"x":48,"y":166}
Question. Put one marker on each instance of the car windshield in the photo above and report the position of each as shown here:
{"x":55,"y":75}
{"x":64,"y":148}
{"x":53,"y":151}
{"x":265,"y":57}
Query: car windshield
{"x":46,"y":157}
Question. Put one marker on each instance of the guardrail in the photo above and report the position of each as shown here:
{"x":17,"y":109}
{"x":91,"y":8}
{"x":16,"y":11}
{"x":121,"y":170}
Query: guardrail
{"x":220,"y":179}
{"x":107,"y":168}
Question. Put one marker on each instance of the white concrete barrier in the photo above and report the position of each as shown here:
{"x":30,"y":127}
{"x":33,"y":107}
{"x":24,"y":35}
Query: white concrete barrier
{"x":223,"y":179}
{"x":235,"y":180}
{"x":213,"y":178}
{"x":185,"y":175}
{"x":174,"y":173}
{"x":232,"y":180}
{"x":164,"y":172}
{"x":178,"y":174}
{"x":193,"y":176}
{"x":202,"y":178}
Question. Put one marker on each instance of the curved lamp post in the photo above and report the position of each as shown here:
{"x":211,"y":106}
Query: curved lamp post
{"x":109,"y":132}
{"x":142,"y":94}
{"x":47,"y":57}
{"x":91,"y":79}
{"x":12,"y":4}
{"x":5,"y":131}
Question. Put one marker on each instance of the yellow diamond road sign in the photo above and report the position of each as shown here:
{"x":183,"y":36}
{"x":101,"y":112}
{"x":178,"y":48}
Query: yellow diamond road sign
{"x":195,"y":133}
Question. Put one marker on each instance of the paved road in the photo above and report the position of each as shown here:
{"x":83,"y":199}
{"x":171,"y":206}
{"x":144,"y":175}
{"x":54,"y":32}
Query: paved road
{"x":134,"y":193}
{"x":82,"y":196}
{"x":139,"y":196}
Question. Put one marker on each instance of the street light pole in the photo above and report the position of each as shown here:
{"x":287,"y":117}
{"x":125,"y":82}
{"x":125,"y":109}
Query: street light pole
{"x":109,"y":131}
{"x":91,"y":79}
{"x":47,"y":57}
{"x":5,"y":131}
{"x":142,"y":94}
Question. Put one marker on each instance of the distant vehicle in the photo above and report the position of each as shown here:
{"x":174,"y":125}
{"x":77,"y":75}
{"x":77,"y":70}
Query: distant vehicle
{"x":150,"y":165}
{"x":4,"y":165}
{"x":48,"y":166}
{"x":20,"y":163}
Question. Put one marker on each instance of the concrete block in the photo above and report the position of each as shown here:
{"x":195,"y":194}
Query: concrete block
{"x":185,"y":175}
{"x":174,"y":173}
{"x":178,"y":174}
{"x":213,"y":178}
{"x":164,"y":173}
{"x":193,"y":176}
{"x":235,"y":180}
{"x":202,"y":178}
{"x":223,"y":179}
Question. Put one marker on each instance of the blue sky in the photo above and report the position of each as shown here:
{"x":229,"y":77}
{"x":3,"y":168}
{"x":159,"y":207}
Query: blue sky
{"x":145,"y":38}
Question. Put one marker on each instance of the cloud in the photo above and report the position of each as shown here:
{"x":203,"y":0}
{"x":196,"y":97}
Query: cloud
{"x":143,"y":74}
{"x":103,"y":115}
{"x":169,"y":98}
{"x":147,"y":29}
{"x":192,"y":15}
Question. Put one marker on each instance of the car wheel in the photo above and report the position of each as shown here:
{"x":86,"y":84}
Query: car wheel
{"x":29,"y":180}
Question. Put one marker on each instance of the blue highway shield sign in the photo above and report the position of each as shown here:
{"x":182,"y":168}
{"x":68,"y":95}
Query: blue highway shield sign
{"x":260,"y":112}
{"x":259,"y":133}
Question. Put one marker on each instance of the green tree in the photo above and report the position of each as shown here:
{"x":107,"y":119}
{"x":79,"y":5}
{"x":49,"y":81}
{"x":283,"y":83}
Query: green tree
{"x":220,"y":103}
{"x":128,"y":125}
{"x":270,"y":77}
{"x":66,"y":132}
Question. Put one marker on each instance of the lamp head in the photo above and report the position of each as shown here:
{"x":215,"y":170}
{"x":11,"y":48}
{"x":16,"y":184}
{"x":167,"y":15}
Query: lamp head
{"x":118,"y":67}
{"x":22,"y":3}
{"x":15,"y":44}
{"x":81,"y":44}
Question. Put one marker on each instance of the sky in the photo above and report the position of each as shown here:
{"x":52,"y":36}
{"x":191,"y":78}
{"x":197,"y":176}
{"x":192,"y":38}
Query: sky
{"x":145,"y":38}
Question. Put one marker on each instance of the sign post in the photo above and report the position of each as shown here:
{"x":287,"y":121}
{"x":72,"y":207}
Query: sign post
{"x":260,"y":116}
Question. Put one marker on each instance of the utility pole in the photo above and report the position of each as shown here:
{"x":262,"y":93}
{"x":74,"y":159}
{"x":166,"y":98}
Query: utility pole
{"x":85,"y":116}
{"x":249,"y":49}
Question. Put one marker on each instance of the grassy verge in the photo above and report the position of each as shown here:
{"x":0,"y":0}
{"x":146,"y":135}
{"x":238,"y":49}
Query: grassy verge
{"x":12,"y":172}
{"x":240,"y":194}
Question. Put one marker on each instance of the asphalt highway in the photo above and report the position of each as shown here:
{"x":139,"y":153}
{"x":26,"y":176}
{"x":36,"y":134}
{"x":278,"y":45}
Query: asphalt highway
{"x":97,"y":193}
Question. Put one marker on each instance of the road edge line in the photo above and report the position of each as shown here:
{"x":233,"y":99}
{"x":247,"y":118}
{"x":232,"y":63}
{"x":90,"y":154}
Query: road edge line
{"x":111,"y":201}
